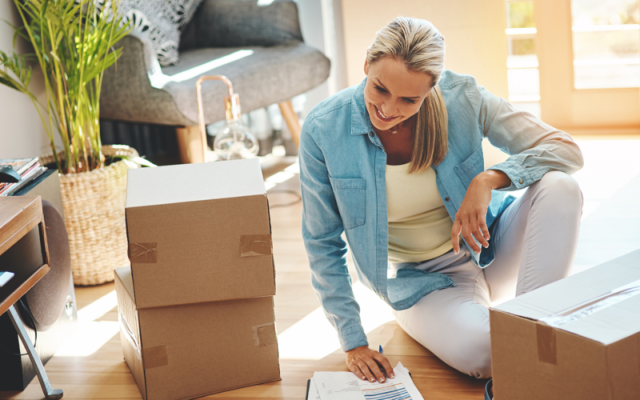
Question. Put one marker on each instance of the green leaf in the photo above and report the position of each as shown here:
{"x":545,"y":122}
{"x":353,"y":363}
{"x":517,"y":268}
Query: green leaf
{"x":9,"y":83}
{"x":73,"y":44}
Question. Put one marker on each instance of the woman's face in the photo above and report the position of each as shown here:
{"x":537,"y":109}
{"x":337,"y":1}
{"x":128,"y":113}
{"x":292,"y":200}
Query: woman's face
{"x":393,"y":93}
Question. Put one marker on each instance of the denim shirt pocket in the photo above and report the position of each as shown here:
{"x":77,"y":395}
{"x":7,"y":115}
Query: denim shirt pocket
{"x":350,"y":194}
{"x":469,"y":168}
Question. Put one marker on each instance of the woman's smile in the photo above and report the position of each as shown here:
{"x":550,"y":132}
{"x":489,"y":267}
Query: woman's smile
{"x":383,"y":117}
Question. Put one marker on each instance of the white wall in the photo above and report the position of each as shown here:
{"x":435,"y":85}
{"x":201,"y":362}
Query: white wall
{"x":321,"y":24}
{"x":474,"y":34}
{"x":21,"y":132}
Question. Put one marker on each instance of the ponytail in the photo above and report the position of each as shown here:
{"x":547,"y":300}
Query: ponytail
{"x":430,"y":141}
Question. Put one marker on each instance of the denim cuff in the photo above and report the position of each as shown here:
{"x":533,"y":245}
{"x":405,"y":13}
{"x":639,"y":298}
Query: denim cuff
{"x":520,"y":177}
{"x":352,"y":337}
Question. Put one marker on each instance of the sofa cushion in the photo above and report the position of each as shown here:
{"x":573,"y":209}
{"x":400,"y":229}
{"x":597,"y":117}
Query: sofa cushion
{"x":263,"y":76}
{"x":161,"y":21}
{"x":268,"y":75}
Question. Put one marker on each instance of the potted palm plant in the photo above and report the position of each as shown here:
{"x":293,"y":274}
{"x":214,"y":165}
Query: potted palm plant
{"x":72,"y":43}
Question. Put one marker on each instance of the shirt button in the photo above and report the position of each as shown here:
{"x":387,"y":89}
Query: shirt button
{"x":371,"y":134}
{"x":446,"y":199}
{"x":521,"y":181}
{"x":382,"y":297}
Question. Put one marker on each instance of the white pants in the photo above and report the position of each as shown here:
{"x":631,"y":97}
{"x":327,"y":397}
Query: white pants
{"x":535,"y":241}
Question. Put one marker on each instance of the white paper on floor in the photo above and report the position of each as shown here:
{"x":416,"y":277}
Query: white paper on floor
{"x":347,"y":386}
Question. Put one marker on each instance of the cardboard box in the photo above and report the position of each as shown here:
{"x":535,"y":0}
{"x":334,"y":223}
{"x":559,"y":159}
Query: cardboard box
{"x":199,"y":233}
{"x":578,"y":338}
{"x":188,"y":351}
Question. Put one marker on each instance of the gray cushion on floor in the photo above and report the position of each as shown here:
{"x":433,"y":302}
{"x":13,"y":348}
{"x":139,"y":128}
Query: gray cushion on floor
{"x":269,"y":75}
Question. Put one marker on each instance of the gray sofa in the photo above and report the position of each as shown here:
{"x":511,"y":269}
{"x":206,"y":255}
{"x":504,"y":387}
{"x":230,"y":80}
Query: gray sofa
{"x":259,"y":48}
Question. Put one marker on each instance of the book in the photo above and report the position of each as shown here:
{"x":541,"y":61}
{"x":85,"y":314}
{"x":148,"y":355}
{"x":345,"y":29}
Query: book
{"x":32,"y":174}
{"x":5,"y":276}
{"x":21,"y":165}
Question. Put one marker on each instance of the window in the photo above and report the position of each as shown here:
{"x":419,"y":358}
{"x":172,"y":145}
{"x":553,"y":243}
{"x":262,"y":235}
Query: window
{"x":522,"y":62}
{"x":606,"y":43}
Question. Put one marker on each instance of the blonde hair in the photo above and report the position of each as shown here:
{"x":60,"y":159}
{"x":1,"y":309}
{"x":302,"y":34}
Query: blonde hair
{"x":420,"y":46}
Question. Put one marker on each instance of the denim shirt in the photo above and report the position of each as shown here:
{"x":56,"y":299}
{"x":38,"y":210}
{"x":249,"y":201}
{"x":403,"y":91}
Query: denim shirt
{"x":342,"y":174}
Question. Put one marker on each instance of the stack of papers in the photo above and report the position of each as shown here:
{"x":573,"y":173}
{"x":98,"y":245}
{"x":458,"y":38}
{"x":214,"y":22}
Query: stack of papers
{"x":347,"y":386}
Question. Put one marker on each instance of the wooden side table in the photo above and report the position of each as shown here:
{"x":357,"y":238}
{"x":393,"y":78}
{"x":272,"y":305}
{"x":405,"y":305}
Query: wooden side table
{"x":18,"y":216}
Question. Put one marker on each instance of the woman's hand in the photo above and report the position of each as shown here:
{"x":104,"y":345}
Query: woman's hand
{"x":365,"y":363}
{"x":471,"y":216}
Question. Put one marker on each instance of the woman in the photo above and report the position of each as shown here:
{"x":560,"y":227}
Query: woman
{"x":396,"y":164}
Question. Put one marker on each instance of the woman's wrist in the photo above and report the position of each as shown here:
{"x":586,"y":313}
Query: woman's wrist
{"x":494,"y":179}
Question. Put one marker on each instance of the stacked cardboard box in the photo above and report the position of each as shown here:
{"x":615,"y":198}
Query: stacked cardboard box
{"x":575,"y":339}
{"x":196,"y":305}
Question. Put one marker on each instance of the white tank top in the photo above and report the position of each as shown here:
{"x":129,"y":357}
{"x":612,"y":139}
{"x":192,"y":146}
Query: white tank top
{"x":419,"y":224}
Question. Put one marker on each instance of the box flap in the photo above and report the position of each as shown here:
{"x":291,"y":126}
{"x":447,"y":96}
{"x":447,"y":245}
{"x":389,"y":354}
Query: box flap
{"x":124,"y":274}
{"x":194,"y":182}
{"x":582,"y":295}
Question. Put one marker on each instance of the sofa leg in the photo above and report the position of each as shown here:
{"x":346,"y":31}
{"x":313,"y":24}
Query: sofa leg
{"x":190,"y":143}
{"x":290,"y":117}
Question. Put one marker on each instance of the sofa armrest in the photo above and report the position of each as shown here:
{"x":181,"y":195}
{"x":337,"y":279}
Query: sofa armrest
{"x":233,"y":23}
{"x":127,"y":93}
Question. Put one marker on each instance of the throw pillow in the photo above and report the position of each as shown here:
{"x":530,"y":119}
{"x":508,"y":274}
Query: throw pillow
{"x":161,"y":21}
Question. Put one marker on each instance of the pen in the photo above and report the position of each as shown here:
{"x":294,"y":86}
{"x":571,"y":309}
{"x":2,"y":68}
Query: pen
{"x":382,"y":369}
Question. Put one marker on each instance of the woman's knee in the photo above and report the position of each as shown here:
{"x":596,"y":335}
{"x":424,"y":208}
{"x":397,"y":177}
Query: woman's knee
{"x":563,"y":188}
{"x":562,"y":183}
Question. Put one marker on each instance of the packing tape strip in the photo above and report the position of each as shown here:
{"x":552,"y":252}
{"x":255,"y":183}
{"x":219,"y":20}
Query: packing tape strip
{"x":265,"y":334}
{"x":255,"y":245}
{"x":143,"y":253}
{"x":128,"y":333}
{"x":546,"y":337}
{"x":155,"y":357}
{"x":592,"y":306}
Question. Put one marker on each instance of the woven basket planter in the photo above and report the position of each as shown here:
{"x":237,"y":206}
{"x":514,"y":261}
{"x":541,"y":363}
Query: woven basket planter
{"x":93,"y":205}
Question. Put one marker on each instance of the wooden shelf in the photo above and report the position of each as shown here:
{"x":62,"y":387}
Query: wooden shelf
{"x":18,"y":216}
{"x":23,"y":288}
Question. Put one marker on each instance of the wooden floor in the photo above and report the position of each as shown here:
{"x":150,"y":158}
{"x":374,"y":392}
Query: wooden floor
{"x":610,"y":182}
{"x":104,"y":374}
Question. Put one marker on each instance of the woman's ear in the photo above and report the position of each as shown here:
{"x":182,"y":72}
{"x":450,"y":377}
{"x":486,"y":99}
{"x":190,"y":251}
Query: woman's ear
{"x":429,"y":93}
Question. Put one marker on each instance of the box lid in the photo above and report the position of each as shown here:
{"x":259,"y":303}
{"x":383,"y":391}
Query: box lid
{"x":194,"y":182}
{"x":602,"y":303}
